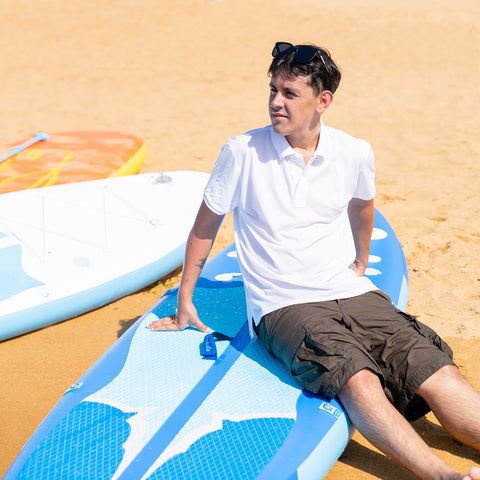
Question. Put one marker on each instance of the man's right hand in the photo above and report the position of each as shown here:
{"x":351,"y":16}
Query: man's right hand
{"x":185,"y":317}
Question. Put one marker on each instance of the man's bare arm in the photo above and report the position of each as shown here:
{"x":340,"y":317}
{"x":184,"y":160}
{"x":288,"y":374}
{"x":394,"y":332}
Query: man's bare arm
{"x":199,"y":245}
{"x":361,"y":214}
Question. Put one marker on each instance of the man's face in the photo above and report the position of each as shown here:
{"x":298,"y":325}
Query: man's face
{"x":292,"y":106}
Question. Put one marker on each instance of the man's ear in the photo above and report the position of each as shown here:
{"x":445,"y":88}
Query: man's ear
{"x":324,"y":100}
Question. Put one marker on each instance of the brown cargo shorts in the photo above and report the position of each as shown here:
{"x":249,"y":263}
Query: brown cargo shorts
{"x":324,"y":343}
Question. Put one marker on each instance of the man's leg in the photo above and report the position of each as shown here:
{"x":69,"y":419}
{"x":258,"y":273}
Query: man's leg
{"x":455,"y":403}
{"x":383,"y":426}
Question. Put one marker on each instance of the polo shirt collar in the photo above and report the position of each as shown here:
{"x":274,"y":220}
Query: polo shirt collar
{"x":284,"y":149}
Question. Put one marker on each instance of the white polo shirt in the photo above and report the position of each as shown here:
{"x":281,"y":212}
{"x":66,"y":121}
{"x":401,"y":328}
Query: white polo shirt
{"x":292,"y":231}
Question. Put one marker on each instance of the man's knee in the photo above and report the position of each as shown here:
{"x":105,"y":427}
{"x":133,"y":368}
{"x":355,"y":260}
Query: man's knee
{"x":448,"y":374}
{"x":363,"y":381}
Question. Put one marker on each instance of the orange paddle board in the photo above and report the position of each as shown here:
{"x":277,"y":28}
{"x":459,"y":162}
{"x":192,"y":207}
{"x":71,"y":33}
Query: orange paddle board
{"x":68,"y":157}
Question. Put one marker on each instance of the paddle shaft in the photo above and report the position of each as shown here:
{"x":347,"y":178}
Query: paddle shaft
{"x":37,"y":137}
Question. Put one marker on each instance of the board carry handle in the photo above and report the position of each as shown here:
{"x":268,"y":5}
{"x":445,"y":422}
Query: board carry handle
{"x":37,"y":137}
{"x":208,"y":349}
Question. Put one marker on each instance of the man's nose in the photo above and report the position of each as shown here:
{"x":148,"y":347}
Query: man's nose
{"x":276,"y":100}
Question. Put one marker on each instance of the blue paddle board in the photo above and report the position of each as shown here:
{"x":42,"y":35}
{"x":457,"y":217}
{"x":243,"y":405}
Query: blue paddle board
{"x":152,"y":407}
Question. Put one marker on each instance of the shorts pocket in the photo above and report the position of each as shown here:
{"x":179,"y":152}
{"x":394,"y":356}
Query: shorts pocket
{"x":429,"y":334}
{"x":280,"y":339}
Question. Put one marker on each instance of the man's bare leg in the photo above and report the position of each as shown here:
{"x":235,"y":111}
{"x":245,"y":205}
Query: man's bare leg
{"x":455,"y":403}
{"x":385,"y":428}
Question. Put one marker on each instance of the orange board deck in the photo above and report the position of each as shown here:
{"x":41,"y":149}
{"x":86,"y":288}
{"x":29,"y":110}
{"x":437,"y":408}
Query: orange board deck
{"x":67,"y":157}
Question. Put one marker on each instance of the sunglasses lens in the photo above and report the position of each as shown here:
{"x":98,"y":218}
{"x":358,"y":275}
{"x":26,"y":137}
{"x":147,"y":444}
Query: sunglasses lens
{"x":281,"y":49}
{"x":305,"y":53}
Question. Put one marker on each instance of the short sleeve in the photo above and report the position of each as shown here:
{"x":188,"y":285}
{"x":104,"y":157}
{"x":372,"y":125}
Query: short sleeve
{"x":222,"y":190}
{"x":366,"y":176}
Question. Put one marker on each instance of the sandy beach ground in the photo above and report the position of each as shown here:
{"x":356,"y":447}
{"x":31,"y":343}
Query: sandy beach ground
{"x":185,"y":75}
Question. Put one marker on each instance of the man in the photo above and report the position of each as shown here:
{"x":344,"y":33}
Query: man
{"x":302,"y":197}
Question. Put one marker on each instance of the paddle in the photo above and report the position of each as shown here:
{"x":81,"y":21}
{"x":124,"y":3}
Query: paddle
{"x":37,"y":137}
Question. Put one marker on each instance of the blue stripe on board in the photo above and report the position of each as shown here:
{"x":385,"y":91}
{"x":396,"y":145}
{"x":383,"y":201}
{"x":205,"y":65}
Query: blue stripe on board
{"x":165,"y":434}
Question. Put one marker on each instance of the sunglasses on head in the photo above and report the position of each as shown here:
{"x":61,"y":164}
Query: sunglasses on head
{"x":303,"y":53}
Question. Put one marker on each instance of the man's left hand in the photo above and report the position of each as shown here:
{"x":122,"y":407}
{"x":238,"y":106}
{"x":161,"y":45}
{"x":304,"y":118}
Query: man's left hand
{"x":358,"y":267}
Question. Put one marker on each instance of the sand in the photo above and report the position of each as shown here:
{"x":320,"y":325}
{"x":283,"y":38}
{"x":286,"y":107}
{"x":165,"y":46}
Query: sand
{"x":185,"y":75}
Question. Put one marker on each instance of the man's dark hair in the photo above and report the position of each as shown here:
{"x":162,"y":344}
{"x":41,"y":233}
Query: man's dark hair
{"x":321,"y":71}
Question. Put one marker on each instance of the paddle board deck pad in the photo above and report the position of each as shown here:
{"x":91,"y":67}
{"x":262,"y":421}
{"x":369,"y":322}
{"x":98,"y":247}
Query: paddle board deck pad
{"x":153,"y":408}
{"x":67,"y":157}
{"x":68,"y":249}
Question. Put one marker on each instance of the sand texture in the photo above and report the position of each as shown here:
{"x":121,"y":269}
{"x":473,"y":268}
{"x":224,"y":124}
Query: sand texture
{"x":185,"y":75}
